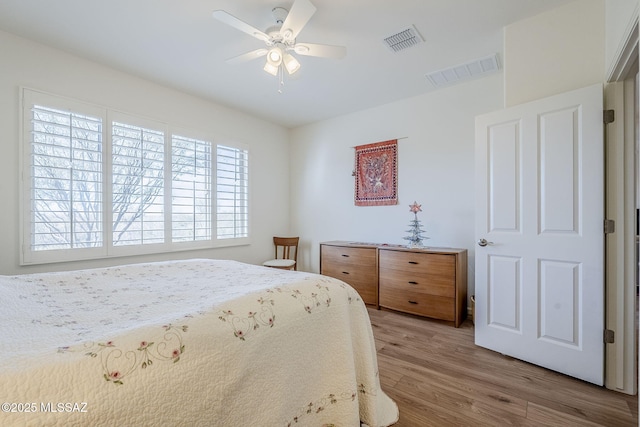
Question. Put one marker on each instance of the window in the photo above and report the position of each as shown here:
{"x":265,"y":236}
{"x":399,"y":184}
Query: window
{"x":98,"y":183}
{"x":66,"y":180}
{"x":137,"y":196}
{"x":191,"y":189}
{"x":232,"y":192}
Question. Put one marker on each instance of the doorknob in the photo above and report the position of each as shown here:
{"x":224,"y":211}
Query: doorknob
{"x":484,"y":242}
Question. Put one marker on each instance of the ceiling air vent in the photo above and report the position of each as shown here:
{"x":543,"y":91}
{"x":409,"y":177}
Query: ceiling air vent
{"x":403,"y":39}
{"x":467,"y":71}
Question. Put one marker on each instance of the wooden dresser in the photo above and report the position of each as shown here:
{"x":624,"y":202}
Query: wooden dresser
{"x":430,"y":282}
{"x":355,"y":264}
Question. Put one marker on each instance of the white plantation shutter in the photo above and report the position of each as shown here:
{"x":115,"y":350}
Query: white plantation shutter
{"x":232,"y":192}
{"x":97,"y":183}
{"x":66,"y":202}
{"x":138,"y":185}
{"x":191,"y":204}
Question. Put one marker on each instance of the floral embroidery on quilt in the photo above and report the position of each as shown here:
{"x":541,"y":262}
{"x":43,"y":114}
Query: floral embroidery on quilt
{"x":326,"y":401}
{"x":242,"y":326}
{"x":118,"y":363}
{"x":312,"y":299}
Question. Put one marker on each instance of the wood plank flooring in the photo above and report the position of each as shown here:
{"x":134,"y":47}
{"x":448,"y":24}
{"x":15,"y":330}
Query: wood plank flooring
{"x":439,"y":377}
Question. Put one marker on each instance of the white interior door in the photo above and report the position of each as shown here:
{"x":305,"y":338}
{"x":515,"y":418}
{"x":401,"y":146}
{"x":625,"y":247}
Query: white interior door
{"x":539,"y":205}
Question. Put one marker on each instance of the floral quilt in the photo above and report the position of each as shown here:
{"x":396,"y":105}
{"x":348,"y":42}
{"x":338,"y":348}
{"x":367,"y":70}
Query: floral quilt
{"x":193,"y":343}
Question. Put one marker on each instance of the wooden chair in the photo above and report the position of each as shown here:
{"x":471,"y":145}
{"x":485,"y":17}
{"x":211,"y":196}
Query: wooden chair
{"x":286,"y":253}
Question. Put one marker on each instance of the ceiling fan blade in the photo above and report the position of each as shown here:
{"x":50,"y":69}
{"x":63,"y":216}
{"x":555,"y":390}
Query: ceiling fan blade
{"x":236,"y":23}
{"x":299,"y":15}
{"x":247,"y":56}
{"x":320,"y":50}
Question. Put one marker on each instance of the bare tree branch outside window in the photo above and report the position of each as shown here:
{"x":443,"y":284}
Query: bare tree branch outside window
{"x":138,"y":185}
{"x":66,"y":168}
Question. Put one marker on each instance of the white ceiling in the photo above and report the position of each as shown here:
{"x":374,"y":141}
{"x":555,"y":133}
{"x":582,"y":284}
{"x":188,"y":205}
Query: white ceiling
{"x":178,"y":44}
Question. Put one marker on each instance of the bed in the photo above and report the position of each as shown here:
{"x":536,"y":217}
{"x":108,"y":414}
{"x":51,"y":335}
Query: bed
{"x":194,"y":343}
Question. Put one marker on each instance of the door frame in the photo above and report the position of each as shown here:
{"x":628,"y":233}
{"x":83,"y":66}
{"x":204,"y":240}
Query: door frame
{"x":621,"y":364}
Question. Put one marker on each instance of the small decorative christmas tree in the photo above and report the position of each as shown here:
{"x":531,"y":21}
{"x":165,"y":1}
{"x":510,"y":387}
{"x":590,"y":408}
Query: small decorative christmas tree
{"x":415,"y":228}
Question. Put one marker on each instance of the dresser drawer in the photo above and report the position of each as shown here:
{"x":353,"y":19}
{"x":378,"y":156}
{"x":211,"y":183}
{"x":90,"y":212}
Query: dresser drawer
{"x":342,"y":255}
{"x":403,"y":281}
{"x":418,"y":303}
{"x":350,"y":273}
{"x":440,"y":268}
{"x":362,"y":278}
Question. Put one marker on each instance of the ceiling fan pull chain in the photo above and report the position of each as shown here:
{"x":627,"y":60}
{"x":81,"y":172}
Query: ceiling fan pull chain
{"x":280,"y":78}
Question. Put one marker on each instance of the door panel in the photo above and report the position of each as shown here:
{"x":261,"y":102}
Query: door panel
{"x":560,"y":307}
{"x":539,"y":205}
{"x":504,"y":292}
{"x":559,"y":165}
{"x":504,"y":176}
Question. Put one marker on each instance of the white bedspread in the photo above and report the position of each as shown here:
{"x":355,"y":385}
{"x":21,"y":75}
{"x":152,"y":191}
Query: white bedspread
{"x":187,"y":343}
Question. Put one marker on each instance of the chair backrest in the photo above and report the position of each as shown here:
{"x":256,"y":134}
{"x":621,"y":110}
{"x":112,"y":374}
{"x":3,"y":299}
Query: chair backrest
{"x":287,"y":247}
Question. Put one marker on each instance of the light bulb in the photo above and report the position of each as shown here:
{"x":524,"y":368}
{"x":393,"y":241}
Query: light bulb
{"x":275,"y":56}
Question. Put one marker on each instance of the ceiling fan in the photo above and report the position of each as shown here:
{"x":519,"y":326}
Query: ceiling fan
{"x":280,"y":39}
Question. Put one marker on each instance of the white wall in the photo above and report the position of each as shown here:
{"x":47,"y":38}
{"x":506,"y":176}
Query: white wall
{"x":435,"y":168}
{"x":555,"y":52}
{"x":24,"y":63}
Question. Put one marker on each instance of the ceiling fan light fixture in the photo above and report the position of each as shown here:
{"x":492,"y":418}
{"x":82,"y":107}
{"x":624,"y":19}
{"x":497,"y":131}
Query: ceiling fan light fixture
{"x":291,"y":63}
{"x":275,"y":56}
{"x":270,"y":68}
{"x":274,"y":60}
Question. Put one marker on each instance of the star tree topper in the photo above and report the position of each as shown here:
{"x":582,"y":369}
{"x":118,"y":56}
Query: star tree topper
{"x":415,"y":208}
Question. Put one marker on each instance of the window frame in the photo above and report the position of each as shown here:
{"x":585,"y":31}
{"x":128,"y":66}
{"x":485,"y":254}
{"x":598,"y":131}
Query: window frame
{"x":30,"y":97}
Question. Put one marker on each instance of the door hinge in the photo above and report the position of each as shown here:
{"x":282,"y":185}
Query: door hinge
{"x":609,"y":336}
{"x":608,"y":116}
{"x":609,"y":226}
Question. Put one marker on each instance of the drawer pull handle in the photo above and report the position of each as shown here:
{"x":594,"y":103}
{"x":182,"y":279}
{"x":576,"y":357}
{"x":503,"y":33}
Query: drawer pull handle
{"x":413,"y":302}
{"x":413,"y":283}
{"x":345,"y":272}
{"x":413,"y":262}
{"x":346,"y":256}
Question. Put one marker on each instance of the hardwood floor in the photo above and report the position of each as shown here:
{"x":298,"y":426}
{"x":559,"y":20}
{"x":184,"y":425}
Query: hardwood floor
{"x":439,"y":377}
